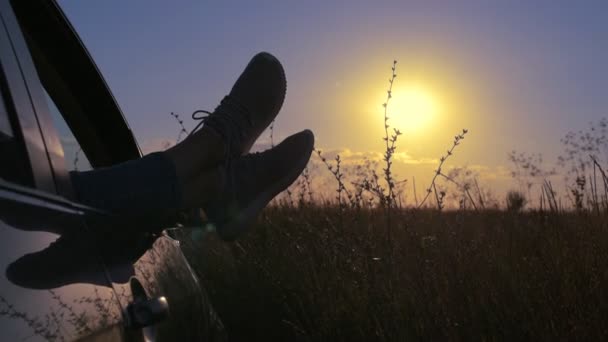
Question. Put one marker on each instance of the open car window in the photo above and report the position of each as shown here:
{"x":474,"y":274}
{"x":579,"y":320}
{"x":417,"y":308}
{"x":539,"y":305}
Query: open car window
{"x":74,"y":121}
{"x":75,"y":90}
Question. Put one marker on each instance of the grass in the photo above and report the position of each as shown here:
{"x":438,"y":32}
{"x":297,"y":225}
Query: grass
{"x":455,"y":275}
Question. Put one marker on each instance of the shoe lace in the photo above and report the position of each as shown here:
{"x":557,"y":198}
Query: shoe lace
{"x":231,"y":119}
{"x":202,"y":119}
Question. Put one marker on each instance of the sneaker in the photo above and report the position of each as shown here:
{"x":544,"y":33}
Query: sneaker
{"x":252,"y":181}
{"x":253,"y":102}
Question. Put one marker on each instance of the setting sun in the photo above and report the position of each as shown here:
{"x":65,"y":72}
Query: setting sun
{"x":412,"y":108}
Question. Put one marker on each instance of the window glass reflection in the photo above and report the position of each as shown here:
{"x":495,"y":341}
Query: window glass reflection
{"x":51,"y":289}
{"x":75,"y":159}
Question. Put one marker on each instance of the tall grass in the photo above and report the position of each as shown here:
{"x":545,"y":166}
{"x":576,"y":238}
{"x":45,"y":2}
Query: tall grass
{"x":458,"y":275}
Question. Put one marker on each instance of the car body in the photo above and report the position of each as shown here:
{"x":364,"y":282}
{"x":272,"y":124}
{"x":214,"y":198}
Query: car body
{"x":73,"y":272}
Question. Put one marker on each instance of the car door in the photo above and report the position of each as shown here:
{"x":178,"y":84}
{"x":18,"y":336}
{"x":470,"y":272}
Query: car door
{"x":80,"y":119}
{"x":52,"y":285}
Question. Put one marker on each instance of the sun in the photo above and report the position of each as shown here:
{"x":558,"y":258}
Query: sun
{"x":412,"y":109}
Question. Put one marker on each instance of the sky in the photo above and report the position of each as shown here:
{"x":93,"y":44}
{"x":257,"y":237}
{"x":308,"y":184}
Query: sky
{"x":517,"y":74}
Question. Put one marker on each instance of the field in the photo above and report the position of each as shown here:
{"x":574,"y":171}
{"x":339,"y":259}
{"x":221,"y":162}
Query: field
{"x":313,"y":274}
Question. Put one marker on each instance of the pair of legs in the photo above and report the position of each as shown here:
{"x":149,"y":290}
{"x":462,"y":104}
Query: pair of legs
{"x":212,"y":168}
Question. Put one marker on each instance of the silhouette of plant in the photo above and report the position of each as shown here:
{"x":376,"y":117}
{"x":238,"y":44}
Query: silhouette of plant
{"x":390,"y":141}
{"x":439,"y":195}
{"x":336,"y":171}
{"x":370,"y":182}
{"x":182,"y":128}
{"x":304,"y":183}
{"x":271,"y":128}
{"x":516,"y":201}
{"x":528,"y":170}
{"x":579,"y":145}
{"x":465,"y":181}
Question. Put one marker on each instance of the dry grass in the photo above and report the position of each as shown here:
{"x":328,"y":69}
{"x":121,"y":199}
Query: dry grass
{"x":461,"y":275}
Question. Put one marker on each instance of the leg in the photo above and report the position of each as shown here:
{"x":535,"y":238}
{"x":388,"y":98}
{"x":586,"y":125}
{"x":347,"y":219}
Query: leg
{"x":172,"y":179}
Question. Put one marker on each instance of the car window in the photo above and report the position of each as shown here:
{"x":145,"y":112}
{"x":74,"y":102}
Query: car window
{"x":57,"y":105}
{"x":64,"y":111}
{"x":75,"y":159}
{"x":70,"y":77}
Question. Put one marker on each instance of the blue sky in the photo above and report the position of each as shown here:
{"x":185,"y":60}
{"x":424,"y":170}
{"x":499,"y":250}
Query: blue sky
{"x":517,"y":74}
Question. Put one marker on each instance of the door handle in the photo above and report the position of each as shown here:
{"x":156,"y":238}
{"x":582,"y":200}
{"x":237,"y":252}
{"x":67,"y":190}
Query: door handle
{"x":148,"y":312}
{"x":143,"y":311}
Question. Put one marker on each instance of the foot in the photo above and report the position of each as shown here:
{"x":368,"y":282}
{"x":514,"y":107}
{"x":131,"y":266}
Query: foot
{"x":253,"y":102}
{"x":252,"y":181}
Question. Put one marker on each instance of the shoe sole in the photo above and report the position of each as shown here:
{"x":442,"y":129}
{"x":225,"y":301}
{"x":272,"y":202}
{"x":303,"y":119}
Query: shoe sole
{"x":231,"y":230}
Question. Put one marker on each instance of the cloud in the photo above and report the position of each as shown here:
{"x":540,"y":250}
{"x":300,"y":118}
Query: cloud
{"x":348,"y":156}
{"x":354,"y":157}
{"x":405,"y":158}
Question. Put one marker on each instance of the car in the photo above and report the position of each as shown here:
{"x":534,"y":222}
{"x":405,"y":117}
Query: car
{"x":71,"y":271}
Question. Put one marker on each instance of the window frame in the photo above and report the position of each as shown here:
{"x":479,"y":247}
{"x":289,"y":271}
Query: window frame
{"x":21,"y":113}
{"x":99,"y":126}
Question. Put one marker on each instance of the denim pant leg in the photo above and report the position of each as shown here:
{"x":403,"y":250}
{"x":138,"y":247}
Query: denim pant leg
{"x":145,"y":184}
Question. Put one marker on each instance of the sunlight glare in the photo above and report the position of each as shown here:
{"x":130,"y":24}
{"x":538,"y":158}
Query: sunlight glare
{"x":412,"y":109}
